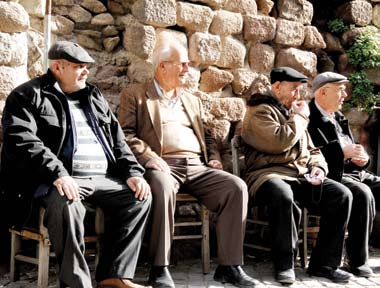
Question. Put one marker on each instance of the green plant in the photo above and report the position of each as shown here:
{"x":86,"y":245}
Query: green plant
{"x":362,"y":95}
{"x":337,"y":26}
{"x":365,"y":52}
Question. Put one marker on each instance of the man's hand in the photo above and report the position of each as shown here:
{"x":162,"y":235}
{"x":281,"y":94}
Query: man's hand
{"x":317,"y":176}
{"x":300,"y":107}
{"x":215,"y":164}
{"x":158,"y":164}
{"x":357,"y":154}
{"x":139,"y":186}
{"x":66,"y":185}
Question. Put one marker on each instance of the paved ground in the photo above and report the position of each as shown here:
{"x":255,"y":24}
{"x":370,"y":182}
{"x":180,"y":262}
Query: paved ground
{"x":189,"y":274}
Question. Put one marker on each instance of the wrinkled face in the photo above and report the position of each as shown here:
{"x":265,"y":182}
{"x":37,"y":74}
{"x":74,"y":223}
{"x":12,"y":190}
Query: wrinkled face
{"x":287,"y":92}
{"x":176,"y":68}
{"x":71,"y":76}
{"x":331,"y":96}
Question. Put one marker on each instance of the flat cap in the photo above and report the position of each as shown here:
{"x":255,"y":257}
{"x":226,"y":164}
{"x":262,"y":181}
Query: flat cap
{"x":328,"y":77}
{"x":69,"y":51}
{"x":286,"y":74}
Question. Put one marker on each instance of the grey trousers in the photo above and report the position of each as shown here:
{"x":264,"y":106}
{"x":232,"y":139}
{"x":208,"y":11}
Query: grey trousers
{"x":125,"y":221}
{"x":219,"y":191}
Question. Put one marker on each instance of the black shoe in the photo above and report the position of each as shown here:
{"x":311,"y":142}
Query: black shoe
{"x":285,"y":276}
{"x":362,"y":271}
{"x":159,"y":277}
{"x":335,"y":275}
{"x":234,"y":275}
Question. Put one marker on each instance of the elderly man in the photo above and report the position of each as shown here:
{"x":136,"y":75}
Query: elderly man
{"x":286,"y":172}
{"x":164,"y":128}
{"x":330,"y":132}
{"x":62,"y":140}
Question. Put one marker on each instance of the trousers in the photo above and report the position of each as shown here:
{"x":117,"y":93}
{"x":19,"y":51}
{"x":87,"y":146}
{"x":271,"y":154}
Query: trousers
{"x":125,"y":221}
{"x":331,"y":200}
{"x":222,"y":193}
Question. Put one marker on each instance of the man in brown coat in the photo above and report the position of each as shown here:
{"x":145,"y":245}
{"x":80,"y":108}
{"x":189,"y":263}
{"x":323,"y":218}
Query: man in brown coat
{"x":164,"y":128}
{"x":285,"y":171}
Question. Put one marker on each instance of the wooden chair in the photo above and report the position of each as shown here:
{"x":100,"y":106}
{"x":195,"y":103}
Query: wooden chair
{"x":41,"y":236}
{"x":202,"y":223}
{"x":254,"y":219}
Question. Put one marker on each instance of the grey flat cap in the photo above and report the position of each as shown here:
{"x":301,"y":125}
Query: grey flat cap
{"x":69,"y":51}
{"x":328,"y":77}
{"x":286,"y":74}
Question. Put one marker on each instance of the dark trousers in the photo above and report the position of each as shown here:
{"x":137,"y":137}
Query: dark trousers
{"x":219,"y":191}
{"x":365,"y":187}
{"x":332,"y":201}
{"x":125,"y":221}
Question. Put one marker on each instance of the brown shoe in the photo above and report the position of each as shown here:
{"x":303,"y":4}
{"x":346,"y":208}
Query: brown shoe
{"x":119,"y":283}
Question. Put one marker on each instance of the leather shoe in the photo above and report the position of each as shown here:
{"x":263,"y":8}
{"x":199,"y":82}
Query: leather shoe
{"x":361,"y":271}
{"x":285,"y":276}
{"x":234,"y":275}
{"x":119,"y":283}
{"x":159,"y":277}
{"x":335,"y":275}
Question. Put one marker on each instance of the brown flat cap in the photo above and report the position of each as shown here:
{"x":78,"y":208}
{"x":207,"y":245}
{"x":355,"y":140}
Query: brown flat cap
{"x":69,"y":51}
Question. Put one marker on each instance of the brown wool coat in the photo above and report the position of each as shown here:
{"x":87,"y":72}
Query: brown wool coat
{"x":277,"y":146}
{"x":139,"y":116}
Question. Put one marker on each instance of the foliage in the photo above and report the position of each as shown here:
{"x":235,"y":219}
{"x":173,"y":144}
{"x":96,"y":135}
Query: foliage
{"x":337,"y":26}
{"x":365,"y":52}
{"x":363,"y":95}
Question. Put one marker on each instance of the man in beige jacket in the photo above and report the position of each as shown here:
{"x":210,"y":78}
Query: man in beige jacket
{"x":286,"y":172}
{"x":164,"y":128}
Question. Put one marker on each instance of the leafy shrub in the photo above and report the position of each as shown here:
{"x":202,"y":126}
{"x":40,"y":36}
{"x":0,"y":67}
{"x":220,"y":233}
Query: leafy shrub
{"x":337,"y":26}
{"x":365,"y":52}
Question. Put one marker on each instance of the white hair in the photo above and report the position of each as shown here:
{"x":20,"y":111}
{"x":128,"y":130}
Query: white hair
{"x":165,"y":52}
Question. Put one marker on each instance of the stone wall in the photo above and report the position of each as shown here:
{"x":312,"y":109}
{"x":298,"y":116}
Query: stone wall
{"x":233,"y":44}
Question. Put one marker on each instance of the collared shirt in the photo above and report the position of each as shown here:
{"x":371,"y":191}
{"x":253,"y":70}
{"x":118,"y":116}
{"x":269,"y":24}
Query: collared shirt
{"x":164,"y":99}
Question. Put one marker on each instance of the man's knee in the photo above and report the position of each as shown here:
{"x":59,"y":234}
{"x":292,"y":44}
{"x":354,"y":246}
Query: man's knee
{"x":163,"y":186}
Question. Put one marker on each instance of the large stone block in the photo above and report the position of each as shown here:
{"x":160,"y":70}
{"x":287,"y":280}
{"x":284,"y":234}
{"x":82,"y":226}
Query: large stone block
{"x":296,"y":10}
{"x":376,"y":15}
{"x":139,"y":40}
{"x":13,"y":17}
{"x":245,"y":7}
{"x":157,"y":13}
{"x":259,"y":28}
{"x":164,"y":34}
{"x":204,"y":48}
{"x":61,"y":25}
{"x":357,"y":12}
{"x":13,"y":49}
{"x":289,"y":33}
{"x":332,"y":43}
{"x":219,"y":129}
{"x":194,"y":17}
{"x":243,"y":78}
{"x":103,"y":19}
{"x":10,"y":78}
{"x":88,"y":42}
{"x":261,"y":58}
{"x":265,"y":6}
{"x":214,"y":79}
{"x":34,"y":7}
{"x":35,"y":49}
{"x":313,"y":39}
{"x":94,"y":6}
{"x":226,"y":23}
{"x":230,"y":109}
{"x":232,"y":54}
{"x":140,"y":71}
{"x":79,"y":15}
{"x":215,"y":4}
{"x":303,"y":61}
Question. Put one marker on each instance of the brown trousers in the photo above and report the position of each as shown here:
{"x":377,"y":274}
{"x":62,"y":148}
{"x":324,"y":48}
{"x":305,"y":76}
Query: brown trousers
{"x":219,"y":191}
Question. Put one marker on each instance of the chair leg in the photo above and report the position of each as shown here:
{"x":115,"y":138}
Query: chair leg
{"x":43,"y":263}
{"x":205,"y":241}
{"x":305,"y":219}
{"x":15,"y":249}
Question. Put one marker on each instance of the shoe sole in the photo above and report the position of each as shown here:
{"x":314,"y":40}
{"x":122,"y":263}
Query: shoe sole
{"x":224,"y":281}
{"x":332,"y":280}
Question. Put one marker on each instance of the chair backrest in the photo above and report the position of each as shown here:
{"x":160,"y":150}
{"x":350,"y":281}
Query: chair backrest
{"x":237,"y":149}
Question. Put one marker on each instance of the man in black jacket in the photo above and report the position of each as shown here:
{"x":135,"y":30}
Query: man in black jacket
{"x":63,"y":141}
{"x":347,"y":161}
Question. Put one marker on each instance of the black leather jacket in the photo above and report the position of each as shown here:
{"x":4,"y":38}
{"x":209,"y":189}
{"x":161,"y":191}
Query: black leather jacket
{"x":38,"y":140}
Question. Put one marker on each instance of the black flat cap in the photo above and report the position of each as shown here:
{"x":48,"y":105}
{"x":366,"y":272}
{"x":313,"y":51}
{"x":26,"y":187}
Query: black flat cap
{"x":69,"y":51}
{"x":328,"y":77}
{"x":286,"y":74}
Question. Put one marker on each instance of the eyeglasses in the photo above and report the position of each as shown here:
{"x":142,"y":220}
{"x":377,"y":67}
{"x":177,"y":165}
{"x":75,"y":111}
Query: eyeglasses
{"x":182,"y":64}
